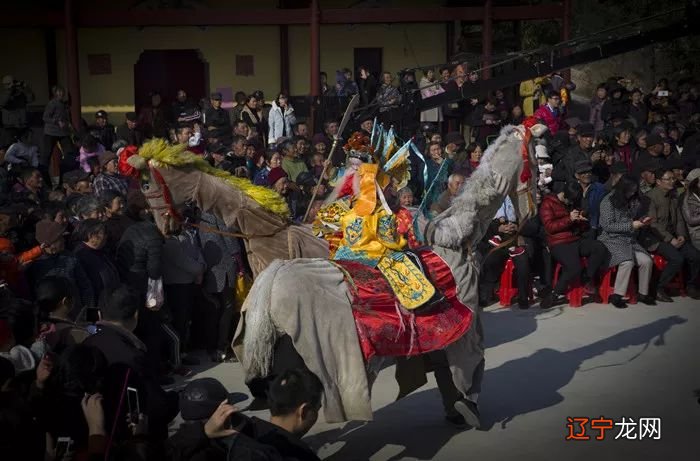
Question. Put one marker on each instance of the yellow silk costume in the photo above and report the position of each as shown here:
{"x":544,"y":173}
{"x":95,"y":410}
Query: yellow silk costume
{"x":370,"y":233}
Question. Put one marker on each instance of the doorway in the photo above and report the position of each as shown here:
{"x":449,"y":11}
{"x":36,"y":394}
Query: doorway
{"x":370,"y":58}
{"x":168,"y":71}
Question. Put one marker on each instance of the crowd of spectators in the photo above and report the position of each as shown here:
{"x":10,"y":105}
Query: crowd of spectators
{"x":80,"y":254}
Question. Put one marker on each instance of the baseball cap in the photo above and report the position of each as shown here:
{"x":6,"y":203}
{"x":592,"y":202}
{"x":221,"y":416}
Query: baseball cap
{"x":131,"y":116}
{"x":583,"y":166}
{"x":654,"y":139}
{"x":215,"y":96}
{"x":48,"y":232}
{"x":101,"y":114}
{"x":585,"y":129}
{"x":105,"y":157}
{"x":201,"y":397}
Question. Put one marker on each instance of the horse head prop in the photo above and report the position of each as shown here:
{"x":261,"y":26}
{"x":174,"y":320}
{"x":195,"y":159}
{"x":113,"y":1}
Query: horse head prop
{"x":171,"y":177}
{"x":508,"y":167}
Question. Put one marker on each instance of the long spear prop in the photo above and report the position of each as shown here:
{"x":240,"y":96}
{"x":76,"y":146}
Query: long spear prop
{"x":354,"y":102}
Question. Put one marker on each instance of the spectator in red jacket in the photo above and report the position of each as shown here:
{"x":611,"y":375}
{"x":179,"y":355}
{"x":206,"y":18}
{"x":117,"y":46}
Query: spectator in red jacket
{"x":550,"y":113}
{"x":564,"y":224}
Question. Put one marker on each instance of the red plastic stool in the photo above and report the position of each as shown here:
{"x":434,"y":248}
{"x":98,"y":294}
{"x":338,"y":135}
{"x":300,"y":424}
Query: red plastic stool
{"x":607,"y":286}
{"x":506,"y":290}
{"x":574,"y":293}
{"x":677,"y":282}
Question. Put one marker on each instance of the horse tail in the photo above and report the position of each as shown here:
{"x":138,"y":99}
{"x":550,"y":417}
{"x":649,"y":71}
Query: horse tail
{"x":261,"y":333}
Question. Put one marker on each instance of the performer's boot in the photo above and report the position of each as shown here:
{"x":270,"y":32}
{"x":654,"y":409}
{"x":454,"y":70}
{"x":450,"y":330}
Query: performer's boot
{"x":469,"y":412}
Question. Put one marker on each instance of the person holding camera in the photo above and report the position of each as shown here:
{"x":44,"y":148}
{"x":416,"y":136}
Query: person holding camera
{"x":565,"y":224}
{"x":14,"y":97}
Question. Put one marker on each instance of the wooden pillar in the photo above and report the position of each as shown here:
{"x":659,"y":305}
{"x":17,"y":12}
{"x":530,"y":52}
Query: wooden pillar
{"x":487,"y":38}
{"x":284,"y":58}
{"x":51,"y":59}
{"x":73,"y":68}
{"x":566,"y":34}
{"x":315,"y":68}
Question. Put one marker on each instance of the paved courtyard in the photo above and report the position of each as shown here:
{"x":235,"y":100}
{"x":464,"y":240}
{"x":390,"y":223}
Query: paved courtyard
{"x":541,"y":368}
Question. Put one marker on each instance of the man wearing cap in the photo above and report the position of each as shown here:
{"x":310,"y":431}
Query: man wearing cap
{"x":208,"y":412}
{"x":565,"y":169}
{"x":103,"y":130}
{"x":109,"y":178}
{"x":647,"y":175}
{"x":366,"y":124}
{"x":216,"y":118}
{"x":653,"y":152}
{"x":667,"y":236}
{"x":58,"y":262}
{"x":218,"y":156}
{"x":129,"y":130}
{"x":593,"y":193}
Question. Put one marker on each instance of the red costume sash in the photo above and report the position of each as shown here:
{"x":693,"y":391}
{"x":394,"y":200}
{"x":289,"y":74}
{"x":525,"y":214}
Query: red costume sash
{"x":385,"y":329}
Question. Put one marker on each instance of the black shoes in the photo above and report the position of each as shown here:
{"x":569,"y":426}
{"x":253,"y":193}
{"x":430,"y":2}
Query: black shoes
{"x":646,"y":299}
{"x":457,"y":421}
{"x":550,"y":299}
{"x":662,"y":296}
{"x":524,"y":304}
{"x":617,"y":301}
{"x":469,"y":412}
{"x":693,"y":291}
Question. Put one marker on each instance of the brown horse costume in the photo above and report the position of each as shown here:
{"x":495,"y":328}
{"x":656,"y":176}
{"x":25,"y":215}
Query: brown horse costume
{"x":268,"y":236}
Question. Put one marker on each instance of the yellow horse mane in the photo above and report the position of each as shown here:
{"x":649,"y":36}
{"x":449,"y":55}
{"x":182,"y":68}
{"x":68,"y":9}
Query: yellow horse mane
{"x":164,"y":154}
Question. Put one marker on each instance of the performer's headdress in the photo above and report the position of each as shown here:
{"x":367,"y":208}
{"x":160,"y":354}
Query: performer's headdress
{"x":359,"y":146}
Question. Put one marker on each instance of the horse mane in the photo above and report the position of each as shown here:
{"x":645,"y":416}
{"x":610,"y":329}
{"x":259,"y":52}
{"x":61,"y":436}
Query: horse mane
{"x":163,"y":154}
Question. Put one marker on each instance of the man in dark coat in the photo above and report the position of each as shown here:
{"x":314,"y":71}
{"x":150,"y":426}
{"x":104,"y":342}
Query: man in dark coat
{"x":565,"y":169}
{"x":653,"y":155}
{"x":116,"y":340}
{"x":103,"y":130}
{"x":129,"y":131}
{"x":217,"y":119}
{"x":139,"y":256}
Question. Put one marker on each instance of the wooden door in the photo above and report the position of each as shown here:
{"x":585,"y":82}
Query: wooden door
{"x":168,"y":71}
